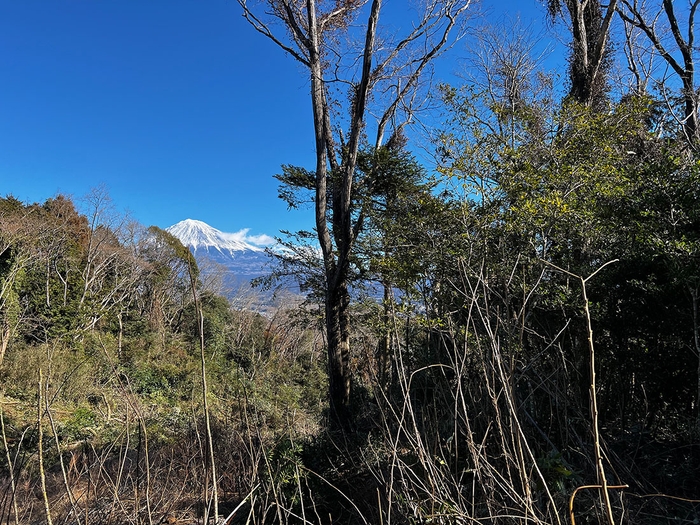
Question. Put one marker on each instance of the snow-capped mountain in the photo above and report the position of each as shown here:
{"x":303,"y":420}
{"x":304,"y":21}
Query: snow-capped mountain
{"x":200,"y":237}
{"x":239,"y":261}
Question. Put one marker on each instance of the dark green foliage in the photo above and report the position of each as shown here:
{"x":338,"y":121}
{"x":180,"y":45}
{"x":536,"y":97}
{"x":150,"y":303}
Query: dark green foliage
{"x":80,"y":426}
{"x":218,"y":318}
{"x":296,"y":186}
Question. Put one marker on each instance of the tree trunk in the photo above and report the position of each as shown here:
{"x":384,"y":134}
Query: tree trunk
{"x":686,"y":47}
{"x":337,"y":328}
{"x":590,"y":30}
{"x":337,"y":298}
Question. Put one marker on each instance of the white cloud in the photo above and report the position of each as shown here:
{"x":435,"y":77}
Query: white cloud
{"x":261,"y":240}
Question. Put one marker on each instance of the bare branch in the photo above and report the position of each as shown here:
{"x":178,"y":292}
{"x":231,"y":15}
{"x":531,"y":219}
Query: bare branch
{"x":263,"y":29}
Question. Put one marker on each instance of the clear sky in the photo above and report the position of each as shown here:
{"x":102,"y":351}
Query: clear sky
{"x":177,"y":107}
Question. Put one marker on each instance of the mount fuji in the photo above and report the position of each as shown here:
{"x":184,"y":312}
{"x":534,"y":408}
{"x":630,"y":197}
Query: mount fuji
{"x":238,"y":260}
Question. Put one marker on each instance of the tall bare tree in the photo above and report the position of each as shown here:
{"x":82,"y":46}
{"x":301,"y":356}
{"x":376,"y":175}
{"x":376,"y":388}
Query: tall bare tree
{"x":367,"y":72}
{"x":657,"y":23}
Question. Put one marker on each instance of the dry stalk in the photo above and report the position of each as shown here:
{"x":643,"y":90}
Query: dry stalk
{"x":40,"y":452}
{"x":602,"y":480}
{"x":142,"y":443}
{"x":66,"y":485}
{"x":499,"y":388}
{"x":582,"y":487}
{"x":205,"y":402}
{"x":10,"y":467}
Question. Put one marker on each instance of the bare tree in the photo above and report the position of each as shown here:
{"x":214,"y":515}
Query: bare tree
{"x":507,"y":84}
{"x":16,"y":254}
{"x":380,"y":75}
{"x":640,"y":57}
{"x":655,"y":24}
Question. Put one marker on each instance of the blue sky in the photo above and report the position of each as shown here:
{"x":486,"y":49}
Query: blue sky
{"x":178,"y":108}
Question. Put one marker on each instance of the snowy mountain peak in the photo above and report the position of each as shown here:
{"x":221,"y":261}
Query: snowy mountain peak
{"x":198,"y":235}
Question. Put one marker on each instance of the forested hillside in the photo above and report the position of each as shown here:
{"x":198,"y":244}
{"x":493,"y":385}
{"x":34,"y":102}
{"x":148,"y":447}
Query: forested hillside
{"x":102,"y":408}
{"x":511,"y":335}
